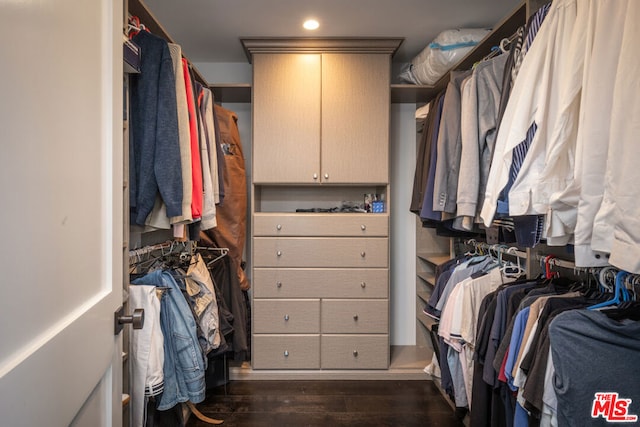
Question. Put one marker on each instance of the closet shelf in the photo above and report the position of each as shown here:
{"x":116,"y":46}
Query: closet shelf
{"x":426,"y":321}
{"x":139,"y":9}
{"x":434,"y":259}
{"x":231,"y":92}
{"x":424,"y":296}
{"x":430,"y":278}
{"x":408,"y":93}
{"x":412,"y":94}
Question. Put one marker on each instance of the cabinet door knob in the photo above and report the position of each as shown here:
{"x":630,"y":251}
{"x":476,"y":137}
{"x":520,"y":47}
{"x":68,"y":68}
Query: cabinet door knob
{"x":279,"y":253}
{"x":286,"y":317}
{"x":286,"y":353}
{"x":315,"y":176}
{"x":355,"y":353}
{"x":279,"y":284}
{"x":363,"y":285}
{"x":363,"y":254}
{"x":326,"y":176}
{"x":355,"y":317}
{"x":363,"y":227}
{"x":279,"y":226}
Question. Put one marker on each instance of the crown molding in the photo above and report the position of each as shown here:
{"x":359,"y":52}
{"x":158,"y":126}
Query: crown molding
{"x":253,"y":45}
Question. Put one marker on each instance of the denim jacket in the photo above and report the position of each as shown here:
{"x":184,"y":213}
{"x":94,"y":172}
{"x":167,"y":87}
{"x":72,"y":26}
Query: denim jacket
{"x":184,"y":365}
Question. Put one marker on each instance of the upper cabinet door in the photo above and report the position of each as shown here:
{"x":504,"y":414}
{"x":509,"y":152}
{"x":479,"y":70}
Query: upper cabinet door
{"x":286,"y":119}
{"x":355,"y":118}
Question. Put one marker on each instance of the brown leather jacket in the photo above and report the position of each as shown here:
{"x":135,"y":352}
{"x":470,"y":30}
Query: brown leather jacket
{"x":231,"y":214}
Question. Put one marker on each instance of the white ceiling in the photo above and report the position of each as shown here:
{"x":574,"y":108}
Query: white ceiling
{"x":210,"y":30}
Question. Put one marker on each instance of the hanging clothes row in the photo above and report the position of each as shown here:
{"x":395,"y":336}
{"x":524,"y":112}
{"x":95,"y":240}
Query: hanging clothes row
{"x":187,"y":324}
{"x":537,"y":135}
{"x":521,"y":352}
{"x":186,"y":162}
{"x":466,"y":280}
{"x":458,"y":139}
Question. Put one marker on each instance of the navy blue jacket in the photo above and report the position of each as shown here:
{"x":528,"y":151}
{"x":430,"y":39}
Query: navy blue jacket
{"x":154,"y":151}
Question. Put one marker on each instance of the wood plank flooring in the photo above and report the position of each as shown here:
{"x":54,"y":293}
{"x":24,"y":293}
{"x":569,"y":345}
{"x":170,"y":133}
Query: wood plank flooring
{"x":327,"y":403}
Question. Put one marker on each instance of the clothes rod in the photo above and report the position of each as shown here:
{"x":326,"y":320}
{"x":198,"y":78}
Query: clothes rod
{"x":557,"y":262}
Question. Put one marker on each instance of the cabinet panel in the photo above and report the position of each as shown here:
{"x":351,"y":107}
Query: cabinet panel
{"x":355,"y":316}
{"x":355,"y":351}
{"x":320,"y":283}
{"x":355,"y":118}
{"x":286,"y":119}
{"x":286,"y":352}
{"x":320,"y":252}
{"x":286,"y":316}
{"x":321,"y":225}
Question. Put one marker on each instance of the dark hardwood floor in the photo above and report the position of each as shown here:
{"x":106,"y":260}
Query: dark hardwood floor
{"x":328,"y":404}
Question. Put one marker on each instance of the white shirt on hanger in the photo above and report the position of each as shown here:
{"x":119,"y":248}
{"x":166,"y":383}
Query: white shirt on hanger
{"x":534,"y":99}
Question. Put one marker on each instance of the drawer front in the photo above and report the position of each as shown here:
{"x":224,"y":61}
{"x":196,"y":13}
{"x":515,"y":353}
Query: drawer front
{"x":286,"y":352}
{"x":356,"y":225}
{"x":286,"y":316}
{"x":320,"y":252}
{"x":355,"y":351}
{"x":320,"y":283}
{"x":355,"y":316}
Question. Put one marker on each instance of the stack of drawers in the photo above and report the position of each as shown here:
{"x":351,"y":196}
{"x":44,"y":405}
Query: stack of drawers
{"x":320,"y":291}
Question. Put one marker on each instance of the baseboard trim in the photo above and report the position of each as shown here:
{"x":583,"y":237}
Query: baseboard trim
{"x":246,"y":373}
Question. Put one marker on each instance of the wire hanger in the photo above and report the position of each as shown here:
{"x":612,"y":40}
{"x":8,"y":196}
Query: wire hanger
{"x":221,"y":253}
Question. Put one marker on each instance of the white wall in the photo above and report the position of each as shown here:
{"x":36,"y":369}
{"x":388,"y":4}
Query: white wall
{"x":402,"y":157}
{"x":225,"y":72}
{"x":403,"y":225}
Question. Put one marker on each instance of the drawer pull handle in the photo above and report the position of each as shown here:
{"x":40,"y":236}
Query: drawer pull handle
{"x":286,"y":353}
{"x":363,"y":254}
{"x":326,"y":176}
{"x":363,"y":227}
{"x":279,"y":226}
{"x":279,"y":253}
{"x":315,"y":176}
{"x":279,"y":284}
{"x":363,"y":285}
{"x":286,"y":317}
{"x":355,"y":317}
{"x":355,"y":353}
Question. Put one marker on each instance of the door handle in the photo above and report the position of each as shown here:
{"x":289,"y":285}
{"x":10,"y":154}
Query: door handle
{"x":136,"y":319}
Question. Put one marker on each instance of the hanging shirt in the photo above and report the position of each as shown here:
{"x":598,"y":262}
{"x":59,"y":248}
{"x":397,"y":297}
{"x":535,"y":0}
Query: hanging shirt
{"x":478,"y":132}
{"x":534,"y":100}
{"x":618,"y":220}
{"x":196,"y":165}
{"x":607,"y":362}
{"x":427,"y":210}
{"x":449,"y":144}
{"x":574,"y":208}
{"x":184,"y":139}
{"x":208,"y":219}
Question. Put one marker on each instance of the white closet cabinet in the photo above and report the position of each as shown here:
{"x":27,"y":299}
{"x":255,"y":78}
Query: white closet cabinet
{"x":286,"y":123}
{"x":355,"y":118}
{"x":321,"y":117}
{"x":320,"y":137}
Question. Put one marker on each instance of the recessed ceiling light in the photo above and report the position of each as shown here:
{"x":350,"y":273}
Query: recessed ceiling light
{"x":311,"y":24}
